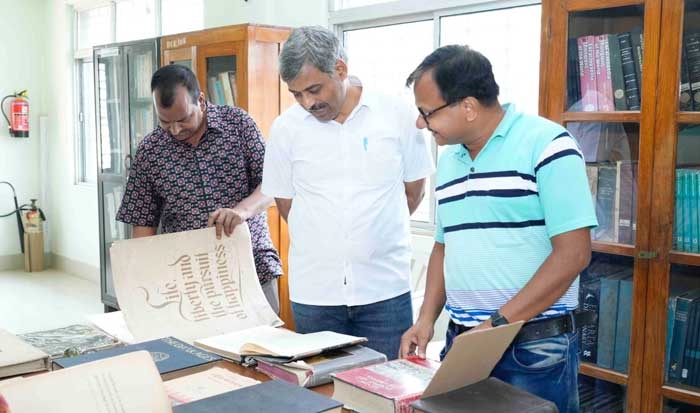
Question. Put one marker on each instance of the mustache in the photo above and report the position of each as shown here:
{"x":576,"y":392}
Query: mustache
{"x":317,"y":106}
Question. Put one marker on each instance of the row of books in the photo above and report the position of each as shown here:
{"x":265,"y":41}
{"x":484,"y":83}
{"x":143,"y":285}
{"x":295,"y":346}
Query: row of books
{"x":683,"y":338}
{"x":222,"y":88}
{"x":686,"y":226}
{"x":606,"y":289}
{"x":605,"y":71}
{"x":614,"y":190}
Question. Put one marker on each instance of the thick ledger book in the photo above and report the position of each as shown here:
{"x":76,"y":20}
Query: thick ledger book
{"x":387,"y":387}
{"x":73,"y":339}
{"x":269,"y":397}
{"x":128,"y":383}
{"x":18,"y":357}
{"x":170,"y":355}
{"x":485,"y":396}
{"x":208,"y":383}
{"x":275,"y":342}
{"x":316,"y":370}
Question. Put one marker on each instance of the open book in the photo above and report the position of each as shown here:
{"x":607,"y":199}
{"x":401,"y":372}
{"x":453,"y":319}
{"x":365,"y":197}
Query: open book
{"x":129,"y":384}
{"x":18,"y":357}
{"x":275,"y":342}
{"x":189,"y":285}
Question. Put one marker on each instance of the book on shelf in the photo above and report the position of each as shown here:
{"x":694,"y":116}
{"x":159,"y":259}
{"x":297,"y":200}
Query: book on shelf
{"x":629,"y":71}
{"x":189,"y":285}
{"x":682,"y":309}
{"x":19,"y":357}
{"x":316,"y":370}
{"x":129,"y":383}
{"x":70,"y":340}
{"x":207,"y":383}
{"x":392,"y":386}
{"x":485,"y":396}
{"x":272,"y":396}
{"x":608,"y":316}
{"x":621,"y":349}
{"x":690,"y":372}
{"x":171,"y":356}
{"x":284,"y":344}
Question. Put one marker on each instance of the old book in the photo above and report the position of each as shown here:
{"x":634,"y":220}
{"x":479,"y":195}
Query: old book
{"x":18,"y":357}
{"x":276,"y":342}
{"x":189,"y":285}
{"x":171,"y":356}
{"x":387,"y":387}
{"x":208,"y":383}
{"x":272,"y":396}
{"x":485,"y":396}
{"x":316,"y":370}
{"x":70,"y":340}
{"x":128,"y":383}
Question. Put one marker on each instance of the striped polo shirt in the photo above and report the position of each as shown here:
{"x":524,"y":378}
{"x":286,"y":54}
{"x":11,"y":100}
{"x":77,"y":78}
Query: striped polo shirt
{"x":496,"y":213}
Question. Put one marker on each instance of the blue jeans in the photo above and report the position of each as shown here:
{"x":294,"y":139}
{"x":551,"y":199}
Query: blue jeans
{"x":546,"y":367}
{"x":382,"y":322}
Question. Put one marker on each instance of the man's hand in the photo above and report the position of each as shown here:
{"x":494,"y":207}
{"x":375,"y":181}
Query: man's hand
{"x":226,"y":219}
{"x":415,"y":340}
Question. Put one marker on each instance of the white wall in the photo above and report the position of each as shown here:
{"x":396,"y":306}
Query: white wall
{"x":274,"y":12}
{"x":23,"y":34}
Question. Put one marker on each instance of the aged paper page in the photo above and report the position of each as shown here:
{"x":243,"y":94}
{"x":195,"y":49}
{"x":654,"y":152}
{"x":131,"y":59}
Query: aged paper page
{"x":124,"y":384}
{"x":205,"y":384}
{"x":189,"y":285}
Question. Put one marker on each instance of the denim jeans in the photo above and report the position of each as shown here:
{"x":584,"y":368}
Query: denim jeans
{"x":546,"y":367}
{"x":382,"y":322}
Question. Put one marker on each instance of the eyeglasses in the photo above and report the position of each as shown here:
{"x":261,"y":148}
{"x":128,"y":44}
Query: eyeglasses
{"x":428,"y":114}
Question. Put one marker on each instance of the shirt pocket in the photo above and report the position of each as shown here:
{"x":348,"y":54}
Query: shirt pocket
{"x":382,"y":160}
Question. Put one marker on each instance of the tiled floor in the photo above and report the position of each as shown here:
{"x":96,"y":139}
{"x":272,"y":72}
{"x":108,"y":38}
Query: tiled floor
{"x":45,"y":300}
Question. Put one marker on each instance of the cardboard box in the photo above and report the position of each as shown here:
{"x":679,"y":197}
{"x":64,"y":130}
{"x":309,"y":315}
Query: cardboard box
{"x":33,"y":251}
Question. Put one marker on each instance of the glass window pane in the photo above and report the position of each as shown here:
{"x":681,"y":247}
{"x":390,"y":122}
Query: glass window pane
{"x":179,"y":16}
{"x":510,"y":40}
{"x":687,"y":214}
{"x":383,"y":67}
{"x":136,"y":19}
{"x":87,"y":150}
{"x":94,"y":27}
{"x":347,"y":4}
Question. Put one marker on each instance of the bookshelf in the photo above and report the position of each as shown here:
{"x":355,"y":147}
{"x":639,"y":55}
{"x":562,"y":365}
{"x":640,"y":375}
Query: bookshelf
{"x":660,"y":257}
{"x":238,"y":64}
{"x":125,"y":114}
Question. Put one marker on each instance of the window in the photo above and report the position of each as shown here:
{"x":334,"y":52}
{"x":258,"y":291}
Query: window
{"x":502,"y":30}
{"x":136,"y":19}
{"x":178,"y":16}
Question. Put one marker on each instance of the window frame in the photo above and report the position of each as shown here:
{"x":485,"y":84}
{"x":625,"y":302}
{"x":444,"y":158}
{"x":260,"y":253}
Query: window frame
{"x":408,"y":11}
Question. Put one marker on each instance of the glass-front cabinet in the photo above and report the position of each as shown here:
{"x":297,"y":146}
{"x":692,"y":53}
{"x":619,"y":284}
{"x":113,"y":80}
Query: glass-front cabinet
{"x":125,"y":114}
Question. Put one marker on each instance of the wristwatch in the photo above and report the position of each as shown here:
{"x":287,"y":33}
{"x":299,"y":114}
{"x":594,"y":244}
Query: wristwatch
{"x":497,"y":319}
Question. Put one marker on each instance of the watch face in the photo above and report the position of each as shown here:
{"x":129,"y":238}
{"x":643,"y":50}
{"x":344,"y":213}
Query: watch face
{"x":498,"y":320}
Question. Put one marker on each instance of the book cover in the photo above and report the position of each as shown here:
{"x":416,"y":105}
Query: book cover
{"x":689,"y":370}
{"x":629,"y":72}
{"x":624,"y":322}
{"x":680,"y":333}
{"x":589,"y":300}
{"x":489,"y":395}
{"x":617,"y":77}
{"x":589,"y":100}
{"x":272,"y":396}
{"x":170,"y":355}
{"x":316,"y":370}
{"x":624,"y":190}
{"x":605,"y":204}
{"x":573,"y":92}
{"x":19,"y":357}
{"x":73,"y":339}
{"x":389,"y":387}
{"x":207,"y":383}
{"x":606,"y":102}
{"x":607,"y":317}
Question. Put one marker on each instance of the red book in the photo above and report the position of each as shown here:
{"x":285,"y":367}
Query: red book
{"x":387,"y":387}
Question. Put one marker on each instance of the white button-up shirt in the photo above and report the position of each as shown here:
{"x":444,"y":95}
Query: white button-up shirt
{"x":349,"y":220}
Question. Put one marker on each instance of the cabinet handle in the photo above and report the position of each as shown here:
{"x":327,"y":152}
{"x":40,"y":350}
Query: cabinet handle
{"x":647,"y":255}
{"x":127,"y":162}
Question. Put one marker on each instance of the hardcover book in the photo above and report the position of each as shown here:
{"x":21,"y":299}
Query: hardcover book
{"x":207,"y":383}
{"x":18,"y":357}
{"x":128,"y":384}
{"x":170,"y":355}
{"x":316,"y":370}
{"x":272,"y":396}
{"x":275,"y":342}
{"x":73,"y":339}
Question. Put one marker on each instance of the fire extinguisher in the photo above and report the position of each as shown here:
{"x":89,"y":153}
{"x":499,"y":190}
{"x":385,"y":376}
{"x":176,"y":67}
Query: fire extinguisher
{"x":18,"y":122}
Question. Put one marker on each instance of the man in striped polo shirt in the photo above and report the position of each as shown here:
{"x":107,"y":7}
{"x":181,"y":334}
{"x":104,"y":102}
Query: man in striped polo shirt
{"x":513,"y":224}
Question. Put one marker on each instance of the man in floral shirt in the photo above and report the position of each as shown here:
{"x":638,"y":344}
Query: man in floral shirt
{"x":201,"y":167}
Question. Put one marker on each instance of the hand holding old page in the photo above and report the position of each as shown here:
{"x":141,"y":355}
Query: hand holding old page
{"x":189,"y":285}
{"x":127,"y":384}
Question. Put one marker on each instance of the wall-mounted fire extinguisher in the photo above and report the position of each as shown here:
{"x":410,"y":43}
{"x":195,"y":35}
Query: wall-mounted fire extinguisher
{"x":18,"y":122}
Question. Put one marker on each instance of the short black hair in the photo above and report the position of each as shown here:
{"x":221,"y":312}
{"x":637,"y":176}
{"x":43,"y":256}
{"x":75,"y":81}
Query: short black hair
{"x":166,"y":80}
{"x":459,"y":72}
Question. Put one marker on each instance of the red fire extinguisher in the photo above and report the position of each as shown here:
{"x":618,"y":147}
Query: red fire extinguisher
{"x":18,"y":122}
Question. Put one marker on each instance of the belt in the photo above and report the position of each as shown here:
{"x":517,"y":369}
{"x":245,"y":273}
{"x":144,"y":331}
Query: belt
{"x":546,"y":327}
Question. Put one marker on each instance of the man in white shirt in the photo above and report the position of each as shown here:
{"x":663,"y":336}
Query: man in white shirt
{"x":346,"y":167}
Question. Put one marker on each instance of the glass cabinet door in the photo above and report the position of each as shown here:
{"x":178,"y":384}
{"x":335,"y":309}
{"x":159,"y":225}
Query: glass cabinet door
{"x":141,"y":63}
{"x":184,"y":57}
{"x":219,"y":77}
{"x":113,"y":147}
